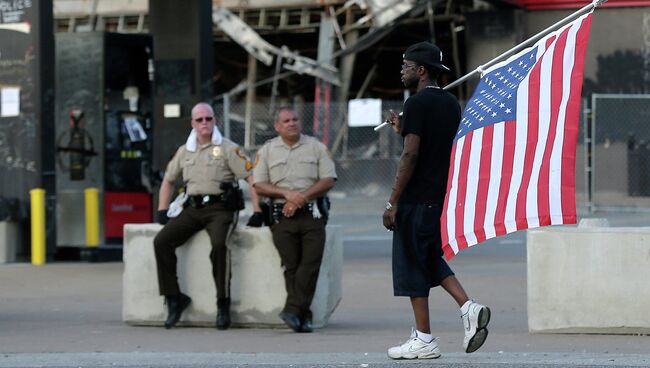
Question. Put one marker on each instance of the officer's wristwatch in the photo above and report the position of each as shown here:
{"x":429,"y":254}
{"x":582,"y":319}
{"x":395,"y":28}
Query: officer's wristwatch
{"x":389,"y":206}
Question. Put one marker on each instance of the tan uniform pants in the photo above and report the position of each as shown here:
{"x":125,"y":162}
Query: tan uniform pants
{"x":300,"y":240}
{"x":216,"y":220}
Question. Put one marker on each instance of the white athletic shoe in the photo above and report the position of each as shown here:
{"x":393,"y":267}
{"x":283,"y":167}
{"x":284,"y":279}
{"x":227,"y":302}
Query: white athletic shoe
{"x":414,"y":348}
{"x":475,"y":322}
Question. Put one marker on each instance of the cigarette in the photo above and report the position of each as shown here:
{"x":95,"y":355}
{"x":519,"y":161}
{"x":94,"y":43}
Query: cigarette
{"x":386,"y":122}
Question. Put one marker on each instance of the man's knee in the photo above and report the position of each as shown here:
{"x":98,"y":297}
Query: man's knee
{"x":159,"y":243}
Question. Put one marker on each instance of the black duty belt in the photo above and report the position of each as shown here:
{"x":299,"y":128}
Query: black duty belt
{"x":202,"y":200}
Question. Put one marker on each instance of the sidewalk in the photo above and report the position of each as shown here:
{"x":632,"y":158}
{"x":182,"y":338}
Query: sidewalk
{"x":73,"y":310}
{"x":483,"y":360}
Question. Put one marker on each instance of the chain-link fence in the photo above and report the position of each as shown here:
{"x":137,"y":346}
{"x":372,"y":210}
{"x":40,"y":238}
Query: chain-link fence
{"x":621,"y":151}
{"x":366,"y":161}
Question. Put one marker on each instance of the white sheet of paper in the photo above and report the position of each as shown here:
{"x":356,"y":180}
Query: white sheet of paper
{"x":135,"y":130}
{"x":364,"y":112}
{"x":9,"y":101}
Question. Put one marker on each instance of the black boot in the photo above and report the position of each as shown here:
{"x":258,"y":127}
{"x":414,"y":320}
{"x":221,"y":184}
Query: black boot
{"x":292,"y":320}
{"x":223,"y":313}
{"x":176,"y":304}
{"x":306,"y":325}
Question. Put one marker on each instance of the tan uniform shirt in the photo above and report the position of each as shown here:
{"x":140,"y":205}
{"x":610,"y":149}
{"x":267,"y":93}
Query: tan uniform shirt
{"x":297,"y":167}
{"x":204,"y":170}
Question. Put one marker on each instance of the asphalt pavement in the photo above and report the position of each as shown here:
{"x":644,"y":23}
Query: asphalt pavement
{"x":69,"y":315}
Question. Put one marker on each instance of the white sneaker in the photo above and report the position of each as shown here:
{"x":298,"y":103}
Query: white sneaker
{"x":475,"y":322}
{"x":414,"y":348}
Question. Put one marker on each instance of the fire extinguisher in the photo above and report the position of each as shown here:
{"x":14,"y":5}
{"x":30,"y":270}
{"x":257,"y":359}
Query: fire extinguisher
{"x":79,"y":152}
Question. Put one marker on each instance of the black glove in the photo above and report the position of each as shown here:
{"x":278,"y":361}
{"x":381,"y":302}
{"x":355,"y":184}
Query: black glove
{"x":256,"y":220}
{"x":162,"y":217}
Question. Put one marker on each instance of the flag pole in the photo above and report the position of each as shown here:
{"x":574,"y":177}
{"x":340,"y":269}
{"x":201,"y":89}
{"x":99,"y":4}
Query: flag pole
{"x":568,"y":19}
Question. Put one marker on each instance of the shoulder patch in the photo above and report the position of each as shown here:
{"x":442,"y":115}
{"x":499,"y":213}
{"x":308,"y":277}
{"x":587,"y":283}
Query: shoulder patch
{"x":239,"y":154}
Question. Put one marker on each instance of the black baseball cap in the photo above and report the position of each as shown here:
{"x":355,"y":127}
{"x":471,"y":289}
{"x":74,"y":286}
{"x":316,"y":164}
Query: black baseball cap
{"x":426,"y":53}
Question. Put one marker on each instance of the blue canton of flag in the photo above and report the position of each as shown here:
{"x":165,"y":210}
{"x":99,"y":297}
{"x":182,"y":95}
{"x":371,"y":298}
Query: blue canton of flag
{"x":495,"y":97}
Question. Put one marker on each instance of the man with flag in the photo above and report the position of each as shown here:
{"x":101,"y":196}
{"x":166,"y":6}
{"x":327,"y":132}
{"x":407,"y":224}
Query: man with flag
{"x":429,"y":123}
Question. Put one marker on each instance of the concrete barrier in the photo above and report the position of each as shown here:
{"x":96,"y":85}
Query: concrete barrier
{"x":8,"y":241}
{"x":257,"y":284}
{"x":589,"y":280}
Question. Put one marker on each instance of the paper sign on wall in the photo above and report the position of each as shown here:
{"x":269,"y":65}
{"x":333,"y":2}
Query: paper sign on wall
{"x":9,"y":101}
{"x":364,"y":112}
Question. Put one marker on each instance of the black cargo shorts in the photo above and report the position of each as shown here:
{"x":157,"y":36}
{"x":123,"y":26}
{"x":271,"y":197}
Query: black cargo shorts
{"x":417,"y":250}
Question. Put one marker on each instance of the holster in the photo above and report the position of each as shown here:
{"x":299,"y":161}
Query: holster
{"x":233,"y":196}
{"x":265,"y":206}
{"x":324,"y":206}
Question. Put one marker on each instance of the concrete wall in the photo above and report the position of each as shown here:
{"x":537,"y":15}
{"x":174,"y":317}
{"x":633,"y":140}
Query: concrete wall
{"x":613,"y":64}
{"x":257,"y":284}
{"x":629,"y":55}
{"x":588,"y":280}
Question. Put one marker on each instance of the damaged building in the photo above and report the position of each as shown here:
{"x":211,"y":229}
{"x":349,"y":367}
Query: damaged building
{"x":142,"y":64}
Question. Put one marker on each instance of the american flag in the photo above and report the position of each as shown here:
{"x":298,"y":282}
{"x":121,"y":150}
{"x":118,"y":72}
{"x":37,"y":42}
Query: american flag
{"x":512,"y":164}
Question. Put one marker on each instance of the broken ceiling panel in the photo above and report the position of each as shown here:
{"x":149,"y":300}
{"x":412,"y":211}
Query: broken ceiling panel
{"x":385,"y":11}
{"x":244,"y":35}
{"x":378,"y":33}
{"x":265,"y":52}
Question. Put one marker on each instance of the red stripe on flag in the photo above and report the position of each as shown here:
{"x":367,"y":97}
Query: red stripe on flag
{"x":448,"y":252}
{"x":444,"y":234}
{"x":531,"y":139}
{"x":557,"y":88}
{"x":531,"y":143}
{"x":510,"y":130}
{"x":483,"y":182}
{"x":571,"y":125}
{"x":462,"y":191}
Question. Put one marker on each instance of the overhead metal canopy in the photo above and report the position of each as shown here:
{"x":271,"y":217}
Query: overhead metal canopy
{"x":566,"y":4}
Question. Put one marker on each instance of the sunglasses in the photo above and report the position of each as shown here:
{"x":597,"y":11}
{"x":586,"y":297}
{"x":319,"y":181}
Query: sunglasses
{"x":207,"y":119}
{"x":407,"y":66}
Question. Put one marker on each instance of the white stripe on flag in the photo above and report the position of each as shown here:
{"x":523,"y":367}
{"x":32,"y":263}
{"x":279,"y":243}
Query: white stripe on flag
{"x":495,"y":179}
{"x":532,"y":213}
{"x":453,"y":194}
{"x":555,"y":177}
{"x":472,"y":186}
{"x":521,"y":134}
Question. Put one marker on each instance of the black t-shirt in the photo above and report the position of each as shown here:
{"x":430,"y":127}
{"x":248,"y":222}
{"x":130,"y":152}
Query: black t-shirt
{"x":432,"y":114}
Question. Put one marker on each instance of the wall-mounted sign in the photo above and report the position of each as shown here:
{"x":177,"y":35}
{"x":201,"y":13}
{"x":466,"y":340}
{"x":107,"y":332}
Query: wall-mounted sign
{"x":9,"y":101}
{"x":364,"y":112}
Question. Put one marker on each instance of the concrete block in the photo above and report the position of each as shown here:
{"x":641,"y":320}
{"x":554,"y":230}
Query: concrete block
{"x":257,"y":284}
{"x":589,"y":280}
{"x":8,"y":241}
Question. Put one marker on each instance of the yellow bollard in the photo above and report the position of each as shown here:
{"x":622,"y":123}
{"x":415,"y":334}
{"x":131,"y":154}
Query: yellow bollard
{"x":37,"y":202}
{"x":91,"y":196}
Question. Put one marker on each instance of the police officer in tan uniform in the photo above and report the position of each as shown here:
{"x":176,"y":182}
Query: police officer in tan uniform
{"x":295,"y":170}
{"x":209,"y":166}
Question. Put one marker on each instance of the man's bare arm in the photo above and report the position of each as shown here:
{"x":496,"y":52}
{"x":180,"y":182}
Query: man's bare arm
{"x":319,"y":189}
{"x":165,"y":194}
{"x":406,"y":166}
{"x":255,"y":198}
